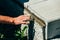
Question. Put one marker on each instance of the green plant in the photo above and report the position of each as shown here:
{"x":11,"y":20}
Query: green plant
{"x":20,"y":33}
{"x":1,"y":35}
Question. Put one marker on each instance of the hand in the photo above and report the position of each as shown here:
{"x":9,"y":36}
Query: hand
{"x":23,"y":19}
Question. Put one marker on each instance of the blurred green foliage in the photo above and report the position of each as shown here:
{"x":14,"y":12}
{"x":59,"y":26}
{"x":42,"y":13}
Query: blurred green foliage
{"x":20,"y":33}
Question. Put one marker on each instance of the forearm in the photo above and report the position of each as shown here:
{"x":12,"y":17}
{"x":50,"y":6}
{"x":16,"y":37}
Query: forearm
{"x":16,"y":21}
{"x":6,"y":19}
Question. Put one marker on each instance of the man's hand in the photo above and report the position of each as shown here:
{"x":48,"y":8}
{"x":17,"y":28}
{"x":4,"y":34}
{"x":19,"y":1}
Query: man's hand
{"x":23,"y":19}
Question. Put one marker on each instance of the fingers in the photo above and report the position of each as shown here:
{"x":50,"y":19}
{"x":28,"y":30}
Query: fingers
{"x":26,"y":22}
{"x":23,"y":19}
{"x":21,"y":22}
{"x":27,"y":18}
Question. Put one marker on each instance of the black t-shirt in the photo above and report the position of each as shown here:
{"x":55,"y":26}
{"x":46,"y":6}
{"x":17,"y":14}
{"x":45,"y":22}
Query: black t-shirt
{"x":11,"y":8}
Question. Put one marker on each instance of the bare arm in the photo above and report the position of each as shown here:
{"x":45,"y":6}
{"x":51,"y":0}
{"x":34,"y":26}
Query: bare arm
{"x":6,"y":19}
{"x":17,"y":20}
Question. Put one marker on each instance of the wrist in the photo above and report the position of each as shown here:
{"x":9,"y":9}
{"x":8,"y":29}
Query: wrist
{"x":11,"y":20}
{"x":6,"y":19}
